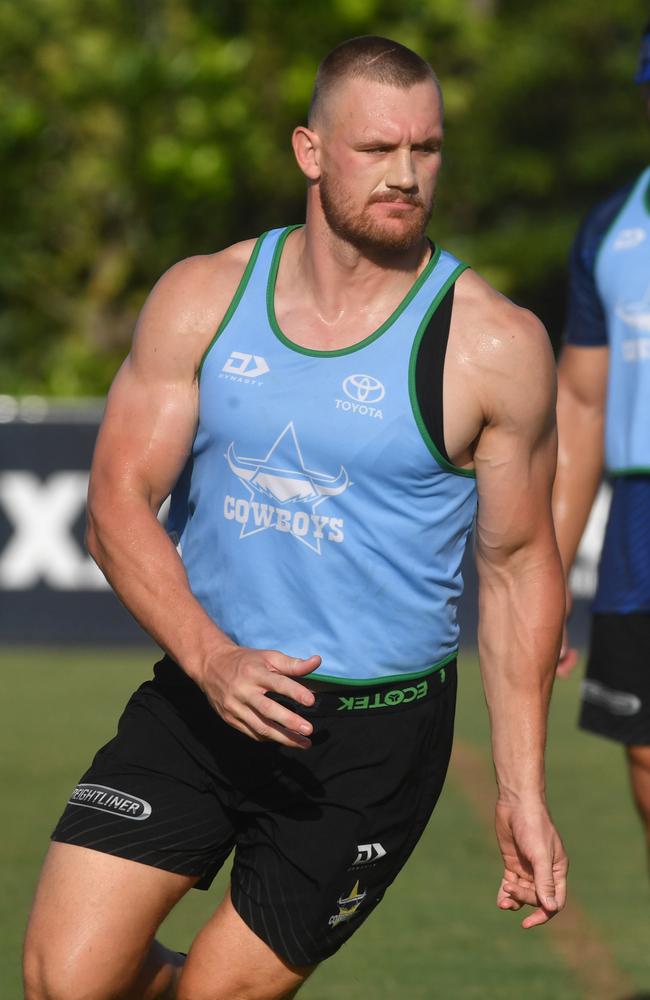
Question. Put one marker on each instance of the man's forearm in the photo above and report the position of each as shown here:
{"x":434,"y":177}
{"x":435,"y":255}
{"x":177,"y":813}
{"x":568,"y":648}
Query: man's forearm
{"x":579,"y":469}
{"x":144,"y":569}
{"x":521,"y":607}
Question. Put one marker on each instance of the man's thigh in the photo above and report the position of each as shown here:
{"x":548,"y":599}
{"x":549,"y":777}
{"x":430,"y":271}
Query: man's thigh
{"x":616,"y":688}
{"x":93,"y":920}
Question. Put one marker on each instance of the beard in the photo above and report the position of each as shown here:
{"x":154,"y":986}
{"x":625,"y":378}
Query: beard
{"x":366,"y":232}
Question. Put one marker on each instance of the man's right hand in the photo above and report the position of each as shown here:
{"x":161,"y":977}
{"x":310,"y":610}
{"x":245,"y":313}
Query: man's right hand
{"x":236,"y":683}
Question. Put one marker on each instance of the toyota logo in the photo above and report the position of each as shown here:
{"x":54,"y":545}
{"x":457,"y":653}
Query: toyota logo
{"x":363,"y":388}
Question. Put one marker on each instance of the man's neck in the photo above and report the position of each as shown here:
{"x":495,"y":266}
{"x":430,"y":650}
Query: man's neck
{"x":330,"y":295}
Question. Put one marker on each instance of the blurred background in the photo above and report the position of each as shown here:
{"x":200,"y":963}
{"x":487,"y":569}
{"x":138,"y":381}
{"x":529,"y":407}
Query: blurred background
{"x":135,"y":134}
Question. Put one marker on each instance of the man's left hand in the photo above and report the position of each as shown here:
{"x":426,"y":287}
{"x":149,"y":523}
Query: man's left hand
{"x":534,"y":860}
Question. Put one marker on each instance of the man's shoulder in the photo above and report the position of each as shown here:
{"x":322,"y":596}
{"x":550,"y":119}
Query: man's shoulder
{"x":487,"y":318}
{"x":503,"y":349}
{"x":208,"y":274}
{"x":189,"y":301}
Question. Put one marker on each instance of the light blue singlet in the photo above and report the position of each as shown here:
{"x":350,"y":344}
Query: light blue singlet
{"x":315,"y":514}
{"x":623,"y":282}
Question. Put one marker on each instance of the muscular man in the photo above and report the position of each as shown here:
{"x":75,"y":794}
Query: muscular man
{"x":604,"y":421}
{"x":305,"y":595}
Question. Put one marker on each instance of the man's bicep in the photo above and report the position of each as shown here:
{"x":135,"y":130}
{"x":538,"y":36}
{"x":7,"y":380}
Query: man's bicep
{"x":514,"y":489}
{"x":516,"y":456}
{"x":146,"y":435}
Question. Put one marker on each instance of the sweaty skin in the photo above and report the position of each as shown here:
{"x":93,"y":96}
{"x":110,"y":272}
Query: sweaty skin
{"x":378,"y":153}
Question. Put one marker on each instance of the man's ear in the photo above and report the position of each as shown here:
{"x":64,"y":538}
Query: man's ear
{"x":307,"y":150}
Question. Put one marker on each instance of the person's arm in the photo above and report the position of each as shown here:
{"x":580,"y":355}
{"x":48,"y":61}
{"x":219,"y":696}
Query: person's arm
{"x":145,"y":439}
{"x":582,"y":381}
{"x":521,"y":601}
{"x":582,"y":384}
{"x":582,"y":376}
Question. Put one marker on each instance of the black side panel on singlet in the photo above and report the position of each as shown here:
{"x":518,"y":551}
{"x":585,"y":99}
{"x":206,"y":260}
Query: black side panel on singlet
{"x":429,"y":368}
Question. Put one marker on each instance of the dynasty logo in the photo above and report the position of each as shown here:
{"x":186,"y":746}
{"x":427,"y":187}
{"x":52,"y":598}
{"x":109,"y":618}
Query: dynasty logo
{"x":368,"y":854}
{"x":247,"y":368}
{"x":348,"y":906}
{"x":296,"y":493}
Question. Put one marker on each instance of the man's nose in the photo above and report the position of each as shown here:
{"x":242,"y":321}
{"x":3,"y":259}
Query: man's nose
{"x":401,"y":173}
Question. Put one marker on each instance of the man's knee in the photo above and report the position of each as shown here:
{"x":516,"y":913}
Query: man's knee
{"x":34,"y":974}
{"x":46,"y":976}
{"x":52,"y":977}
{"x":59,"y":974}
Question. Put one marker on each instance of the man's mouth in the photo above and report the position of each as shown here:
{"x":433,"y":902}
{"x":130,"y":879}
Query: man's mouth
{"x":399,"y":203}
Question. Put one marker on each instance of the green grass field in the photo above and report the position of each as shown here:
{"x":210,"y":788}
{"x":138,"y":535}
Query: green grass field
{"x":438,"y":933}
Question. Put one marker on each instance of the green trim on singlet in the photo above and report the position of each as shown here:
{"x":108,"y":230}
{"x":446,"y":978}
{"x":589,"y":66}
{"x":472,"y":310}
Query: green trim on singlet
{"x":236,"y":299}
{"x":270,"y":305}
{"x":392,"y":679}
{"x":415,"y":406}
{"x":618,"y":215}
{"x":635,"y":470}
{"x":646,"y":198}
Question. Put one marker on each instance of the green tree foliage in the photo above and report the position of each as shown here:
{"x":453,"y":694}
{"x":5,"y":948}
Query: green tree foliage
{"x":134,"y":134}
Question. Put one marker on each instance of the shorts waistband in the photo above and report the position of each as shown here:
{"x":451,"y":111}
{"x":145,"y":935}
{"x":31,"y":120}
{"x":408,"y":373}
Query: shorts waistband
{"x":373,"y":698}
{"x":343,"y":700}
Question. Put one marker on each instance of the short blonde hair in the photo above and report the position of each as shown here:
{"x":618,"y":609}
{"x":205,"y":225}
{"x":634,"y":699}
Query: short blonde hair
{"x":369,"y":57}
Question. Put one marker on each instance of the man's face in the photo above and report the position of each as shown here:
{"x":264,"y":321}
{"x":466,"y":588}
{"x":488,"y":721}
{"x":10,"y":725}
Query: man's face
{"x":381,"y":153}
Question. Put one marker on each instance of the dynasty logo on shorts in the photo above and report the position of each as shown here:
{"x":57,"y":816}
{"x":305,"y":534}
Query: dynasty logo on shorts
{"x":110,"y":800}
{"x":294,"y":492}
{"x":348,"y":906}
{"x":368,"y":854}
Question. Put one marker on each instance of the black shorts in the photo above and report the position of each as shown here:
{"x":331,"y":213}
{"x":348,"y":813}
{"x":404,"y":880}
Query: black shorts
{"x":616,"y":688}
{"x":318,"y":834}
